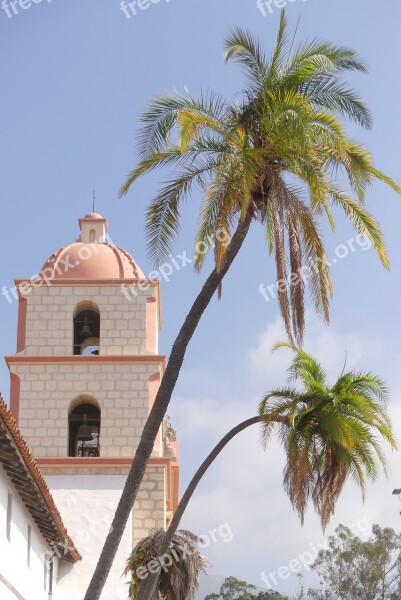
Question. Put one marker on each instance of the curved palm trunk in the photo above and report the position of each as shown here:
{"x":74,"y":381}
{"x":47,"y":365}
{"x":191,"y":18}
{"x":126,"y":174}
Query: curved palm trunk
{"x":151,"y":582}
{"x":157,"y":414}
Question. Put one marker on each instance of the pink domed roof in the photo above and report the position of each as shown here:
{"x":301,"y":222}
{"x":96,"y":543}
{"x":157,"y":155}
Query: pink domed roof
{"x":93,"y":216}
{"x":87,"y":259}
{"x":91,"y":261}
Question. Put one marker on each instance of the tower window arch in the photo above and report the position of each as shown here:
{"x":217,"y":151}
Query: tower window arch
{"x":87,"y":329}
{"x":92,"y":236}
{"x":84,"y":428}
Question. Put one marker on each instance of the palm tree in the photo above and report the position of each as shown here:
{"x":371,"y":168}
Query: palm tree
{"x":328,"y":433}
{"x":183,"y":563}
{"x":271,"y":157}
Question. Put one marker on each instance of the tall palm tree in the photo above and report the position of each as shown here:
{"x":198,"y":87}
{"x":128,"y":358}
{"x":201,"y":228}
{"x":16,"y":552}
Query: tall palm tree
{"x":272,"y":157}
{"x":329,"y":432}
{"x":183,"y":564}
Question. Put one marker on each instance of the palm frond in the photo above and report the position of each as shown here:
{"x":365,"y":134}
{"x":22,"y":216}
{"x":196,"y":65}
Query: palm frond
{"x":278,"y":56}
{"x":332,"y":94}
{"x":363,"y":222}
{"x":163,"y":213}
{"x":160,"y":117}
{"x":242,"y":47}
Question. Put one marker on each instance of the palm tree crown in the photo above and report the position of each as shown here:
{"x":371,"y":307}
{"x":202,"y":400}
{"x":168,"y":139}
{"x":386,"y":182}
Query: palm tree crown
{"x":182,"y":565}
{"x":276,"y":155}
{"x":329,"y":432}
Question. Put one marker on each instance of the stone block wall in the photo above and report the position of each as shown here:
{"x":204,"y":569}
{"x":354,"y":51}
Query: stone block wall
{"x":48,"y":391}
{"x":124,"y":321}
{"x":150,"y":505}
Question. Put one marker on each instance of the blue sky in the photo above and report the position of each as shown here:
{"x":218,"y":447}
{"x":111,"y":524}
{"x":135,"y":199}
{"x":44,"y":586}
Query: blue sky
{"x":75,"y":77}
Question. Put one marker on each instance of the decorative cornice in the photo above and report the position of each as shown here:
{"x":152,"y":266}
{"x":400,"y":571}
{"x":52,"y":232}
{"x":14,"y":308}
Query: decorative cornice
{"x":89,"y":282}
{"x":117,"y":462}
{"x":156,"y":359}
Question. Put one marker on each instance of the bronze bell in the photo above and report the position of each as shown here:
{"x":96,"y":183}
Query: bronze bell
{"x":86,"y":330}
{"x":84,"y":432}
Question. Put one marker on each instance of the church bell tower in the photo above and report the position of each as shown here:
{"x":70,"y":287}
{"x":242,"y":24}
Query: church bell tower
{"x":83,"y":380}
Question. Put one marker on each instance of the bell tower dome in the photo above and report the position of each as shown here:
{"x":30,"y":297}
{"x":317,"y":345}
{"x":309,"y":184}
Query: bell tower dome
{"x":83,"y":380}
{"x":93,"y":256}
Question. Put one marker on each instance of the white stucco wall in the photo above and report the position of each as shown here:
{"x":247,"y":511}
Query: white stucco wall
{"x":87,"y":505}
{"x":28,"y":581}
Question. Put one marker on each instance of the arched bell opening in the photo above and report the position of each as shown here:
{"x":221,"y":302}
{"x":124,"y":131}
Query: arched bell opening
{"x":87,"y":329}
{"x":84,"y":430}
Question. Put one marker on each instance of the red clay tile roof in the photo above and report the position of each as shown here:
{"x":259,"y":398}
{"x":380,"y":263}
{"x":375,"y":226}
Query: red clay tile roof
{"x":21,"y":467}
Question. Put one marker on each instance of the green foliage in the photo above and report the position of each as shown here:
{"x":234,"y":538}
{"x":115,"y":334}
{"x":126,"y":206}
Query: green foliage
{"x":235,"y":589}
{"x":330,"y":432}
{"x":349,"y":569}
{"x":352,"y":569}
{"x":270,"y":595}
{"x":277,"y":155}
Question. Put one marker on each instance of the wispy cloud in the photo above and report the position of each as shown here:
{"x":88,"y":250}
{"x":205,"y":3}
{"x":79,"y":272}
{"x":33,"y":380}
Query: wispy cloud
{"x":332,"y":348}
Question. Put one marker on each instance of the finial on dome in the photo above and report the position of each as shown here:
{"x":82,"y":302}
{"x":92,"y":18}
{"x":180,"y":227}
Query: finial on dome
{"x":93,"y":229}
